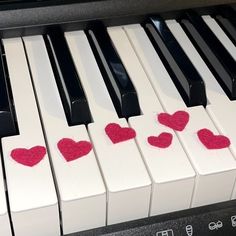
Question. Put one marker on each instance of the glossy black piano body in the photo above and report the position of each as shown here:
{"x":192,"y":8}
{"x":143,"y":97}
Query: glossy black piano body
{"x":28,"y":17}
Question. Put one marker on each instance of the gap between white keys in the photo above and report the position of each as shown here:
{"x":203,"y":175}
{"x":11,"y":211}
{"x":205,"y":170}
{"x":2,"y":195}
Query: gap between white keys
{"x":5,"y":228}
{"x":80,"y":185}
{"x":220,"y":34}
{"x":170,"y":168}
{"x":208,"y":188}
{"x":124,"y":172}
{"x":31,"y":190}
{"x":221,"y":110}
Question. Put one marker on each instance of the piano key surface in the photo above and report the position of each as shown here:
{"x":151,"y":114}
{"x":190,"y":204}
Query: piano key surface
{"x":214,"y":53}
{"x":72,"y":94}
{"x":121,"y":164}
{"x":168,"y":175}
{"x":220,"y":34}
{"x":91,"y":78}
{"x":208,"y":169}
{"x":182,"y":72}
{"x":5,"y":228}
{"x":128,"y":169}
{"x":215,"y":93}
{"x":7,"y":116}
{"x":117,"y":80}
{"x":148,"y":101}
{"x":79,"y":183}
{"x":31,"y":190}
{"x":225,"y":17}
{"x":220,"y":108}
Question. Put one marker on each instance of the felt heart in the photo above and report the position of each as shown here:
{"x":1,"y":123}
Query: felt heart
{"x":177,"y":121}
{"x":119,"y":134}
{"x":163,"y":140}
{"x":211,"y":141}
{"x":72,"y":150}
{"x":28,"y":157}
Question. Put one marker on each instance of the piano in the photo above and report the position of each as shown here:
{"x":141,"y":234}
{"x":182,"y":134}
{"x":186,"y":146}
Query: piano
{"x":117,"y":118}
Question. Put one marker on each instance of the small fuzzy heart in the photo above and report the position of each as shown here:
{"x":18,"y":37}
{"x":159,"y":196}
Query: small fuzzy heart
{"x":72,"y":150}
{"x":176,"y":121}
{"x":28,"y":157}
{"x":163,"y":140}
{"x":119,"y":134}
{"x":212,"y":141}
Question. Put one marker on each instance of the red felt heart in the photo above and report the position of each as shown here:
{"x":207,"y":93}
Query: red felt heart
{"x":163,"y":140}
{"x":211,"y":141}
{"x":72,"y":150}
{"x":119,"y":134}
{"x":177,"y":121}
{"x":28,"y":157}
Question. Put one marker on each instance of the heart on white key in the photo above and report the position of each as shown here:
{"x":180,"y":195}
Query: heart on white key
{"x":29,"y":157}
{"x":72,"y":150}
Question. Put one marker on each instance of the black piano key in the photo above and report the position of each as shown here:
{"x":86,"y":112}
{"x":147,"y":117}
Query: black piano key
{"x":228,"y":28}
{"x":71,"y":91}
{"x":226,"y":18}
{"x":227,"y":12}
{"x":119,"y":85}
{"x":212,"y":51}
{"x":8,"y":124}
{"x":183,"y":73}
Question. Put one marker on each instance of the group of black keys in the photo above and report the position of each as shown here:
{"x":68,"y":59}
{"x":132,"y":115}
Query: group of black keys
{"x":122,"y":92}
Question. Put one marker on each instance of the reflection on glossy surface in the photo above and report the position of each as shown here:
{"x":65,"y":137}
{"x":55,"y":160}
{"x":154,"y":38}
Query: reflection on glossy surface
{"x":212,"y":51}
{"x":186,"y":78}
{"x":73,"y":98}
{"x":8,"y":126}
{"x":116,"y":78}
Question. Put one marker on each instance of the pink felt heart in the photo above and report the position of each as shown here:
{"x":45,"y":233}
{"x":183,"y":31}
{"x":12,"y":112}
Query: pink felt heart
{"x":177,"y":121}
{"x":163,"y":140}
{"x":72,"y":150}
{"x":212,"y":141}
{"x":28,"y":157}
{"x":119,"y":134}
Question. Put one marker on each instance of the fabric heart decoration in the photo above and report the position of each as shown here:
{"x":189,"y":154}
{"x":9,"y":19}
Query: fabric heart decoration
{"x":212,"y":141}
{"x":72,"y":150}
{"x":176,"y":121}
{"x":118,"y":134}
{"x":163,"y":140}
{"x":28,"y":157}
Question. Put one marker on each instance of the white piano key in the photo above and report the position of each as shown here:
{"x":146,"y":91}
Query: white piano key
{"x":152,"y":64}
{"x":224,"y":119}
{"x":125,"y":175}
{"x":101,"y":106}
{"x":148,"y":100}
{"x":166,"y":184}
{"x":220,"y":108}
{"x":214,"y":167}
{"x":80,"y":185}
{"x":5,"y":228}
{"x":220,"y":34}
{"x":169,"y":167}
{"x":31,"y":190}
{"x":126,"y":178}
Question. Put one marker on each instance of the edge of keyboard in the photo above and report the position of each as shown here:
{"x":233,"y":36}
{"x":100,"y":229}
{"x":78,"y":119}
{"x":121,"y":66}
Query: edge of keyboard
{"x":198,"y":218}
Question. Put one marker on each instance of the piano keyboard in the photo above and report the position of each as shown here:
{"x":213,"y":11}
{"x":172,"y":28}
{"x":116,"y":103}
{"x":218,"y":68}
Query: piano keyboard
{"x":103,"y":126}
